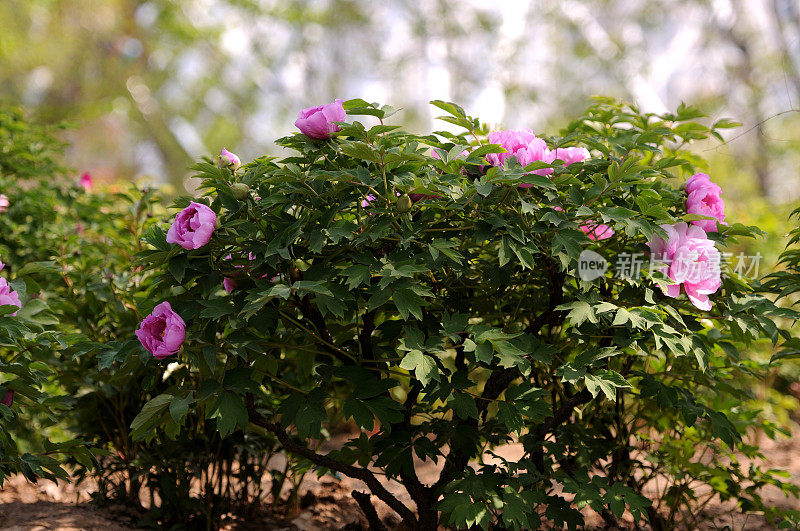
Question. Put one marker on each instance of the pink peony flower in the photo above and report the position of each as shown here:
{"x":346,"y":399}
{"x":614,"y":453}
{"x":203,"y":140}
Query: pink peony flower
{"x":704,"y":200}
{"x":317,"y":122}
{"x":367,"y":200}
{"x":522,"y":144}
{"x":86,"y":181}
{"x":527,"y":148}
{"x":229,"y":283}
{"x":7,"y":295}
{"x":701,"y":180}
{"x":193,"y":226}
{"x":8,"y":400}
{"x":691,"y":260}
{"x":597,"y":232}
{"x":4,"y":203}
{"x":162,"y":332}
{"x":228,"y":160}
{"x":571,"y":155}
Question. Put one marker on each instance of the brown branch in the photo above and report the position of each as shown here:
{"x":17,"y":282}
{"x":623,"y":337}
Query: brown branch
{"x":312,"y":314}
{"x":365,"y":335}
{"x":363,"y":500}
{"x":556,"y":292}
{"x":327,"y":462}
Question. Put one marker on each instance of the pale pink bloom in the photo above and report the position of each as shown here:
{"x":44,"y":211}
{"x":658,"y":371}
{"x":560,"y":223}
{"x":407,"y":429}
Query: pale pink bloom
{"x":318,"y":122}
{"x":516,"y":143}
{"x":4,"y":203}
{"x":528,"y":148}
{"x":571,"y":155}
{"x":704,"y":200}
{"x":193,"y":226}
{"x":86,"y":181}
{"x":162,"y":332}
{"x":522,"y":144}
{"x":691,"y":260}
{"x":701,"y":180}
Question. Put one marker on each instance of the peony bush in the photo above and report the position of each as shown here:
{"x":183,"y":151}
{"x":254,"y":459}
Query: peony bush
{"x":549,"y":319}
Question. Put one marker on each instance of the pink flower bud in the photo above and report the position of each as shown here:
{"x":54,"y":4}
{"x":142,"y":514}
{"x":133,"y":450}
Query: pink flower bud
{"x":4,"y":203}
{"x":229,"y":160}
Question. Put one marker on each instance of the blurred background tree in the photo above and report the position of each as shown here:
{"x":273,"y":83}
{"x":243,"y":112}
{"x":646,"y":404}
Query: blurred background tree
{"x":151,"y":85}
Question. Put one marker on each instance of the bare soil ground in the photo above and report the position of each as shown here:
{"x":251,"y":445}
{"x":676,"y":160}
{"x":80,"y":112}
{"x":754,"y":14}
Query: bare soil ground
{"x":325,"y":502}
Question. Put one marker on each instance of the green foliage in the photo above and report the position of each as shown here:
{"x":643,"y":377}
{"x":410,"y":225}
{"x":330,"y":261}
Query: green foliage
{"x":459,"y":325}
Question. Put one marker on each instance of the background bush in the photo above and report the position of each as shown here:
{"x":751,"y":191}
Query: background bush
{"x":74,"y":250}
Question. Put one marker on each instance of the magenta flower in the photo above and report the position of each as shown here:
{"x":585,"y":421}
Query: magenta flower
{"x":4,"y":203}
{"x":7,"y":295}
{"x":162,"y":332}
{"x":193,"y":226}
{"x":228,"y":160}
{"x":317,"y":122}
{"x":691,"y":260}
{"x":8,"y":400}
{"x":86,"y":181}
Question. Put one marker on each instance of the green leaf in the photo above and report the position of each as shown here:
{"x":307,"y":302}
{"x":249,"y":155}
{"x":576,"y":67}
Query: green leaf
{"x":580,"y":311}
{"x":360,"y":413}
{"x":408,"y":303}
{"x":149,"y":415}
{"x":230,"y":412}
{"x":424,"y":367}
{"x":179,"y":407}
{"x":312,"y":286}
{"x":216,"y":308}
{"x":606,"y":381}
{"x":464,"y":405}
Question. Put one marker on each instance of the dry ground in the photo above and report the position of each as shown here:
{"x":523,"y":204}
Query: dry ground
{"x":326,"y":502}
